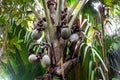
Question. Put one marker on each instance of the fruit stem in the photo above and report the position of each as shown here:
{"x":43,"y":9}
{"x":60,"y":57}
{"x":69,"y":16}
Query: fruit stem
{"x":63,"y":4}
{"x":76,"y":13}
{"x":63,"y":75}
{"x":58,"y":13}
{"x":104,"y":52}
{"x":49,"y":23}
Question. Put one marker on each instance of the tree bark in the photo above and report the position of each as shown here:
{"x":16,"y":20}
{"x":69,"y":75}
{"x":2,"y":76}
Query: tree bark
{"x":57,"y":71}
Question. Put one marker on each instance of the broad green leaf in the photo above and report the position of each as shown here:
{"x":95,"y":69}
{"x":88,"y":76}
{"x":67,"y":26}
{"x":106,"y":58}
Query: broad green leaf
{"x":115,"y":79}
{"x":90,"y":69}
{"x":94,"y":59}
{"x":86,"y":51}
{"x":14,"y":31}
{"x":24,"y":23}
{"x":13,"y":40}
{"x":81,"y":45}
{"x":10,"y":30}
{"x":68,"y":51}
{"x":11,"y":50}
{"x":99,"y":57}
{"x":92,"y":75}
{"x":109,"y":2}
{"x":56,"y":79}
{"x":19,"y":21}
{"x":17,"y":46}
{"x":20,"y":41}
{"x":4,"y":60}
{"x":101,"y":71}
{"x":27,"y":36}
{"x":26,"y":0}
{"x":20,"y":34}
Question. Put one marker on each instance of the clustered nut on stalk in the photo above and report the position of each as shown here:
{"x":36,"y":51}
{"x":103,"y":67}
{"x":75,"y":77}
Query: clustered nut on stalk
{"x":33,"y":58}
{"x":74,"y":37}
{"x":45,"y":61}
{"x":40,"y":57}
{"x":36,"y":34}
{"x":38,"y":28}
{"x":64,"y":14}
{"x":51,"y":5}
{"x":65,"y":33}
{"x":75,"y":28}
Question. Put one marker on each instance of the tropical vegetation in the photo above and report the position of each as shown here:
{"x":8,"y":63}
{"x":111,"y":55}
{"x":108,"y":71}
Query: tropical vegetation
{"x":59,"y":40}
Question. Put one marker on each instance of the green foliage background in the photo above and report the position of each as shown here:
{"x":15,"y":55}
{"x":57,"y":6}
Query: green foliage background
{"x":15,"y":17}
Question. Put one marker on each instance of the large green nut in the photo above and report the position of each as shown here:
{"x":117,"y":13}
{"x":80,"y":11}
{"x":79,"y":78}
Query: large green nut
{"x":36,"y":34}
{"x":74,"y":37}
{"x":65,"y":33}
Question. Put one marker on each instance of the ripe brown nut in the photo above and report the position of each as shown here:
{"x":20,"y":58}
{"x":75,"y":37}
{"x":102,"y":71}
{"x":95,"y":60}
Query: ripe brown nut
{"x":45,"y":61}
{"x":65,"y":33}
{"x":32,"y":58}
{"x":36,"y":34}
{"x":74,"y":37}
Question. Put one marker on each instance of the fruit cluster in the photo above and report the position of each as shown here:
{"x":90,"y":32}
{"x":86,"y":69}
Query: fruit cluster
{"x":64,"y":36}
{"x":38,"y":27}
{"x":40,"y":57}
